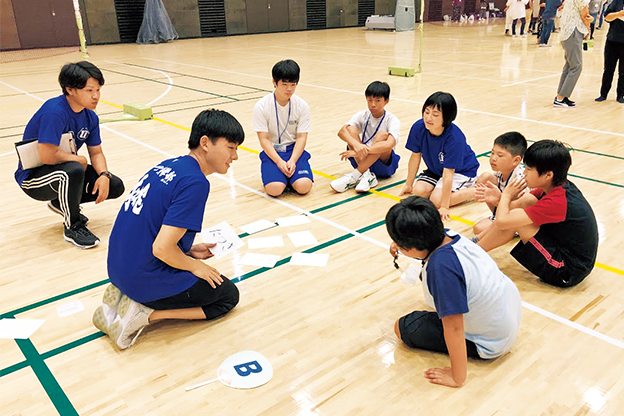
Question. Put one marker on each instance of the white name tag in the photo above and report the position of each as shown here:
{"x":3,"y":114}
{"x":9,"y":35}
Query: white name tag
{"x":280,"y":147}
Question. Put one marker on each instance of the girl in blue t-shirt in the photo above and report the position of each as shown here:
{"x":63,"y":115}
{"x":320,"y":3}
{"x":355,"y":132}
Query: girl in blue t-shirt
{"x":451,"y":164}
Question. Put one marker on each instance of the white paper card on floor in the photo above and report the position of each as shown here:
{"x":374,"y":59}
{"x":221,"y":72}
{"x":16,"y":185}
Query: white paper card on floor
{"x":302,"y":238}
{"x":11,"y":328}
{"x":265,"y":242}
{"x":256,"y":227}
{"x":243,"y":370}
{"x":309,"y":259}
{"x":293,"y":220}
{"x":225,"y":238}
{"x":69,"y":308}
{"x":260,"y":260}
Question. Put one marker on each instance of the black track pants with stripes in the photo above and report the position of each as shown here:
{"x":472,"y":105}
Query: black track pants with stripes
{"x":70,"y":184}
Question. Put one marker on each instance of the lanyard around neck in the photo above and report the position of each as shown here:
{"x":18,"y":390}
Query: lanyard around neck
{"x":279,"y":135}
{"x":364,"y":141}
{"x":504,"y":186}
{"x":506,"y":182}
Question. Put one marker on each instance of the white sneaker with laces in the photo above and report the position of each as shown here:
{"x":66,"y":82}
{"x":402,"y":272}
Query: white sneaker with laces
{"x":132,"y":318}
{"x":348,"y":181}
{"x":367,"y":180}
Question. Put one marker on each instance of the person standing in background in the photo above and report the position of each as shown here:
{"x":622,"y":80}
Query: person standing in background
{"x":575,"y":21}
{"x":614,"y":51}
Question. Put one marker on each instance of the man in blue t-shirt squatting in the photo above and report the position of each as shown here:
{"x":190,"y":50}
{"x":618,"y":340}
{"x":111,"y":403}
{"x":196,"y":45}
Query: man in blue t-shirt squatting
{"x":66,"y":179}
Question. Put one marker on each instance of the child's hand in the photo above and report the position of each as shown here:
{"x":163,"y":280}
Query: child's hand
{"x":361,"y":150}
{"x":488,"y":193}
{"x":407,"y":190}
{"x":283,"y":166}
{"x":442,"y":376}
{"x":347,"y":154}
{"x":445,"y":213}
{"x":516,"y":188}
{"x":291,"y":168}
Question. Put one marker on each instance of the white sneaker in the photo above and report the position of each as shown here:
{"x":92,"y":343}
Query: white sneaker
{"x":131,"y":318}
{"x":367,"y":180}
{"x":105,"y":315}
{"x":344,"y":183}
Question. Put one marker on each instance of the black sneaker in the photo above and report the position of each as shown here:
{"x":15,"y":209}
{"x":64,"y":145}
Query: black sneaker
{"x":601,"y":98}
{"x":569,"y":102}
{"x":558,"y":103}
{"x":563,"y":103}
{"x":55,"y":206}
{"x":80,"y":236}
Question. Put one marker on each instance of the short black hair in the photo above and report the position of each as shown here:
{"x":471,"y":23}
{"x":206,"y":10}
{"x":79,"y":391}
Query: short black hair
{"x":286,"y":71}
{"x":513,"y":142}
{"x":76,"y":75}
{"x":444,"y":102}
{"x":415,"y":223}
{"x":215,"y":124}
{"x":378,"y":89}
{"x":549,"y":156}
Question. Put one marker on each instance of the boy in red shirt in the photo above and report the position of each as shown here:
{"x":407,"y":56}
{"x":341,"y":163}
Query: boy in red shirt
{"x":555,"y":222}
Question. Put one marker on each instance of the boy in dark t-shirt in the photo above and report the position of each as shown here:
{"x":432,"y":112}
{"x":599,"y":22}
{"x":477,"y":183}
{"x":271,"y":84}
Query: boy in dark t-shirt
{"x":555,"y":222}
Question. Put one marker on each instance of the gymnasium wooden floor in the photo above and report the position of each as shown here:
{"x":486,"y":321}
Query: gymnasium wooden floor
{"x":328,"y":332}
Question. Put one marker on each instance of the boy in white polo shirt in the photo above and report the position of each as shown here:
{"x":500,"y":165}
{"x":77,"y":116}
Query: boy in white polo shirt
{"x":282,"y":122}
{"x":371,"y":155}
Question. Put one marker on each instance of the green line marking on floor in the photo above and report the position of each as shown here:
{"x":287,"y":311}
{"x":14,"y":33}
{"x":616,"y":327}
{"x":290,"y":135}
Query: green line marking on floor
{"x":46,"y":378}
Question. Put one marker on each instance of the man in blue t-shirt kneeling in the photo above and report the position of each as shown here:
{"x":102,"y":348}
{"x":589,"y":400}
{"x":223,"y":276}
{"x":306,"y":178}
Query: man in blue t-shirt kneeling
{"x":155,"y":270}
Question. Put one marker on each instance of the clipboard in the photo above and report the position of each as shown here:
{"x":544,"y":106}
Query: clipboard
{"x":28,"y":150}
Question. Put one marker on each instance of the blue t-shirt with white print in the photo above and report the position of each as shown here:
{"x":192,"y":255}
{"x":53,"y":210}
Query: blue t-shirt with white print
{"x":448,"y":150}
{"x":173,"y":193}
{"x":55,"y":118}
{"x":461,"y":279}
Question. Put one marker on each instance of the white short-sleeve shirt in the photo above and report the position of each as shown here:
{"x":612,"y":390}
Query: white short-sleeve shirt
{"x":293,"y":118}
{"x":389,"y":123}
{"x":518,"y":172}
{"x":517,"y":8}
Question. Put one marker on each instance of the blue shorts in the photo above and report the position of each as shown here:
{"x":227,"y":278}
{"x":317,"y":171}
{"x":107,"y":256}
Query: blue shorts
{"x":379,"y":168}
{"x":271,"y":173}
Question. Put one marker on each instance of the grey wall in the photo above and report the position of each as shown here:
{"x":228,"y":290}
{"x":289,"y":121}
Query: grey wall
{"x":386,"y":6}
{"x":236,"y":16}
{"x":298,"y":18}
{"x":101,"y":19}
{"x":184,"y":16}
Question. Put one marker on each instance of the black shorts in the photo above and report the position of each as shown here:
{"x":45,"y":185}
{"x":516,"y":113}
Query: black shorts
{"x":214,"y":302}
{"x":424,"y":330}
{"x":542,"y":256}
{"x":428,"y":176}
